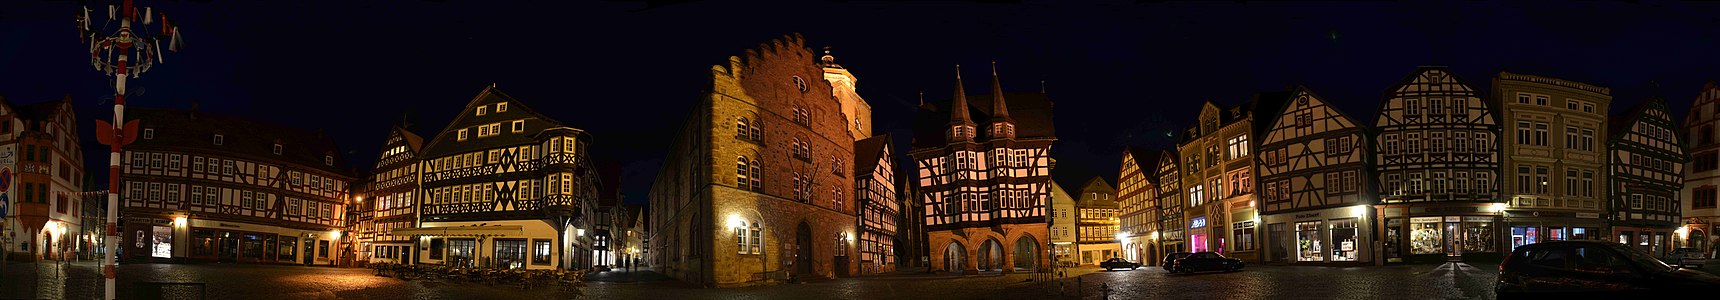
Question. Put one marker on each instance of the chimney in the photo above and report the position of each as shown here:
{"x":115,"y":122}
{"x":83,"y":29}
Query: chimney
{"x":193,"y":112}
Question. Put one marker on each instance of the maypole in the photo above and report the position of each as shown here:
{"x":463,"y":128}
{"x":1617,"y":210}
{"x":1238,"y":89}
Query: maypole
{"x":112,"y":53}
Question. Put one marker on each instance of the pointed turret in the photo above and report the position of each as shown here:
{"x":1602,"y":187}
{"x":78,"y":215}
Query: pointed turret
{"x":999,"y":108}
{"x":1002,"y":126}
{"x":961,"y":126}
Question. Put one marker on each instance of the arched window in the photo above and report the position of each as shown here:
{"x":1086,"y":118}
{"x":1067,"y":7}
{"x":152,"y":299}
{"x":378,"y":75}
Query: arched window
{"x":742,"y":127}
{"x":757,"y":239}
{"x":757,"y":130}
{"x":757,"y":176}
{"x":741,"y":167}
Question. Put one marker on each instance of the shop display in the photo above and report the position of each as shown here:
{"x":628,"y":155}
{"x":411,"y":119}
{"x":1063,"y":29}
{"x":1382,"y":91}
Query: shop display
{"x":1308,"y":241}
{"x":1344,"y":235}
{"x":1425,"y":237}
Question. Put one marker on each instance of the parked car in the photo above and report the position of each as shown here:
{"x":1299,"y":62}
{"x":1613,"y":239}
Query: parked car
{"x":1593,"y":268}
{"x":1686,"y":258}
{"x":1205,"y":261}
{"x":1118,"y":263}
{"x":1171,"y":258}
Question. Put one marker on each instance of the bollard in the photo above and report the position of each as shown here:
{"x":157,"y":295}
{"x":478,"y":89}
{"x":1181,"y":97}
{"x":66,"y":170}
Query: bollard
{"x":1078,"y":290}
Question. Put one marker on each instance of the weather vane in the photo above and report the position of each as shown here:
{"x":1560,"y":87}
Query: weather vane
{"x":127,"y":51}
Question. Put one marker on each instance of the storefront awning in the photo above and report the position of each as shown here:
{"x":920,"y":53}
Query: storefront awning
{"x":472,"y":231}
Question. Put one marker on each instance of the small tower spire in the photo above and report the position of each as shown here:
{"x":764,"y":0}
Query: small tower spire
{"x":999,"y":108}
{"x":1002,"y":126}
{"x":828,"y":61}
{"x":961,"y":126}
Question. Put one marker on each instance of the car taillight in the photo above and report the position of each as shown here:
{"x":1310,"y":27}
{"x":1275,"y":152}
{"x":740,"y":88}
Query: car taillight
{"x":1505,"y":262}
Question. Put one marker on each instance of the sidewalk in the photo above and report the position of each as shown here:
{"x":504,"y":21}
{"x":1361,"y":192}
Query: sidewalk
{"x":625,"y":276}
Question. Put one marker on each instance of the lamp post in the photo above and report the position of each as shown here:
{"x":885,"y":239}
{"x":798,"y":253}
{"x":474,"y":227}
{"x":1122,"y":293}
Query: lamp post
{"x":111,"y":53}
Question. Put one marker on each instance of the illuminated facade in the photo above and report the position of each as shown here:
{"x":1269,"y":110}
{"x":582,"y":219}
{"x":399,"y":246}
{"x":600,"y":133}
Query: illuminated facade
{"x":208,"y":187}
{"x":385,"y":201}
{"x":985,"y":195}
{"x":1096,"y":213}
{"x":503,"y":186}
{"x":1436,"y":147}
{"x":1317,"y":195}
{"x":1218,"y":182}
{"x":43,"y":166}
{"x":1646,"y":169}
{"x":1170,"y":199}
{"x":1062,"y":230}
{"x":757,"y":187}
{"x":1138,"y":198}
{"x":1702,"y":178}
{"x":1553,"y":151}
{"x":879,"y":209}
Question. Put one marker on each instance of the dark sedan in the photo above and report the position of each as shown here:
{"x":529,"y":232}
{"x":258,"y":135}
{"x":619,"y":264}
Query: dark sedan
{"x":1593,"y":268}
{"x":1118,"y":263}
{"x":1172,"y":258}
{"x":1205,"y":261}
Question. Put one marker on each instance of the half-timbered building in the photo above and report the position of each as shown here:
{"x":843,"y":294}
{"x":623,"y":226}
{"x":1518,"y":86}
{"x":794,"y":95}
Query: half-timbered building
{"x":1554,"y":187}
{"x":385,"y":201}
{"x":1436,"y":143}
{"x":879,"y":209}
{"x":1702,"y":178}
{"x":1646,"y":168}
{"x":757,"y":186}
{"x":1218,"y":180}
{"x":1138,"y":198}
{"x":1170,"y":202}
{"x":504,"y":186}
{"x":1096,"y":220}
{"x":41,"y":175}
{"x":1315,"y":177}
{"x":209,"y":187}
{"x":985,"y":185}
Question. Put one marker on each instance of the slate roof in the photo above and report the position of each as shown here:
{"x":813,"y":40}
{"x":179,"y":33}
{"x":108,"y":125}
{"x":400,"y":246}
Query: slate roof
{"x":188,"y":129}
{"x":866,"y":153}
{"x":1031,"y":111}
{"x":446,"y":142}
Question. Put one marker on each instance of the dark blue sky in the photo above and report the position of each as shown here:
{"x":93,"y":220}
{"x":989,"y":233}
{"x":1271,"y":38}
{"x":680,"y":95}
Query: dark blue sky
{"x":1121,"y":73}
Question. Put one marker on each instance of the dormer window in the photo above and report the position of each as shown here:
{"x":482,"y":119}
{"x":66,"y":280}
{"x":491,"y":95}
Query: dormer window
{"x":462,"y":134}
{"x":277,"y":149}
{"x":148,"y":133}
{"x":219,"y":139}
{"x":483,"y":109}
{"x":328,"y":160}
{"x":502,"y":107}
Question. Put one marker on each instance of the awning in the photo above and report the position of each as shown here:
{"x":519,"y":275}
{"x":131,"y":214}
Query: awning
{"x":472,"y":231}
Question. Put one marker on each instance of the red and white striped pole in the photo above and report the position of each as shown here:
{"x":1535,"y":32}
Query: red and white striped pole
{"x":127,"y":45}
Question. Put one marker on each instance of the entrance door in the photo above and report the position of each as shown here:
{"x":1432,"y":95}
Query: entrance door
{"x":1276,"y":237}
{"x":803,"y":249}
{"x":310,"y":252}
{"x":229,"y":250}
{"x":1451,"y":235}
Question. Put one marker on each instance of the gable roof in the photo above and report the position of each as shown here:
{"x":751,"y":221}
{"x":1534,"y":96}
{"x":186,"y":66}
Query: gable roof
{"x":867,"y":152}
{"x":1618,"y":125}
{"x":188,"y":129}
{"x":447,"y":141}
{"x":1145,"y":160}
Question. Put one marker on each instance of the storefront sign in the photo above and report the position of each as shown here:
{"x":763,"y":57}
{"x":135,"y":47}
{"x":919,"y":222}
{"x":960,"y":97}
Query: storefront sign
{"x":1424,"y":220}
{"x":1478,"y":219}
{"x":1589,"y":215}
{"x":227,"y":225}
{"x":1394,"y":212}
{"x":1312,"y":215}
{"x":1197,"y":222}
{"x":1453,"y":219}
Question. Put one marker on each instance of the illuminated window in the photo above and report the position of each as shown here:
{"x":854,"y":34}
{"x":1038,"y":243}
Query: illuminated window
{"x":519,"y":125}
{"x":462,"y":135}
{"x":501,"y":107}
{"x":483,"y":109}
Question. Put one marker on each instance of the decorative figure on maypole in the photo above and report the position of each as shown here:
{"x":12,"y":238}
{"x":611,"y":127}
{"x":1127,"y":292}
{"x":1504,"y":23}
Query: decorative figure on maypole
{"x":126,"y":52}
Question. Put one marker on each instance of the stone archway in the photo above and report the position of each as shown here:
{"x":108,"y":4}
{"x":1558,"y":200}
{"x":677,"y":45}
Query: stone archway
{"x":990,"y":255}
{"x":953,"y":257}
{"x":1026,"y":253}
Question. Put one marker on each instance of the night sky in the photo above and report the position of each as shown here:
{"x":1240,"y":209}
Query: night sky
{"x":1121,"y":74}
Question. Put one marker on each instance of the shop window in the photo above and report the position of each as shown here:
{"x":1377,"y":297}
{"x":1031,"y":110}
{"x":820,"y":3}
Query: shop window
{"x":1524,"y":235}
{"x":1478,"y":235}
{"x":1425,"y":236}
{"x":289,"y":249}
{"x":1243,"y":234}
{"x":322,"y":249}
{"x":541,"y":252}
{"x":510,"y":254}
{"x":460,"y":252}
{"x":1308,"y":246}
{"x":1348,"y":245}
